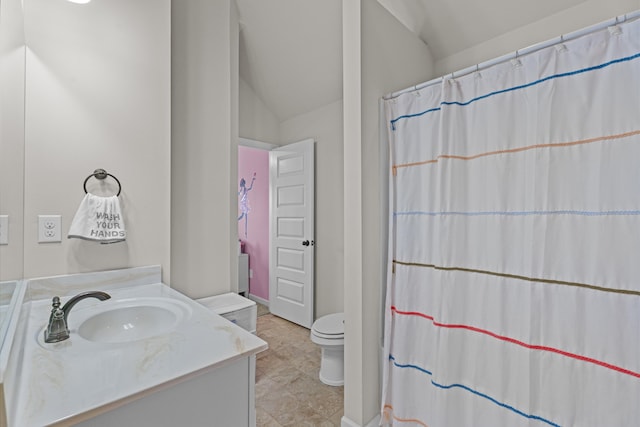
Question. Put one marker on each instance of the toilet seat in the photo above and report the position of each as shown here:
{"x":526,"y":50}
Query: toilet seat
{"x":328,"y":337}
{"x":329,"y":327}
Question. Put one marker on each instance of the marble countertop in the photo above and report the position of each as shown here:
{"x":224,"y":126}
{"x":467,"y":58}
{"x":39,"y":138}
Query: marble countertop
{"x":76,"y":379}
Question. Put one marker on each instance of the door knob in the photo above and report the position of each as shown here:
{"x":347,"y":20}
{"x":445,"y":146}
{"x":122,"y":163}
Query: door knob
{"x":307,"y":243}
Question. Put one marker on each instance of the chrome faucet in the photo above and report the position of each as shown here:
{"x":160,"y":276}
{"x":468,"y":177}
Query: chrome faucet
{"x":58,"y":329}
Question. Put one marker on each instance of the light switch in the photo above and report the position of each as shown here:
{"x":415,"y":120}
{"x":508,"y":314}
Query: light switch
{"x":4,"y":229}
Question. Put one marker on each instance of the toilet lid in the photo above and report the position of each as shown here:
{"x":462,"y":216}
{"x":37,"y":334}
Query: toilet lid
{"x":331,"y":324}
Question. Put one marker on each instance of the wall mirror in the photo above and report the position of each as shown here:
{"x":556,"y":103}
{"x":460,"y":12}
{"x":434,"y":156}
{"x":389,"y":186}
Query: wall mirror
{"x":12,"y":77}
{"x":70,"y":76}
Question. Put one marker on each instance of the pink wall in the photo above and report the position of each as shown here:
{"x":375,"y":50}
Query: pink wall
{"x":256,"y":242}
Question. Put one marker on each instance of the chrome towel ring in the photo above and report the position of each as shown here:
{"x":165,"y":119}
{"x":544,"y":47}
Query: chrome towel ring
{"x":101,"y":174}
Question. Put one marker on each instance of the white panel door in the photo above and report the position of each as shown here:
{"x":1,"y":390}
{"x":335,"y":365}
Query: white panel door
{"x":291,"y":254}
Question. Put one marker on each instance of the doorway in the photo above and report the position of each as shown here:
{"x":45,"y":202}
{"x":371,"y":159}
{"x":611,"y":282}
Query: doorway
{"x":253,"y":217}
{"x":276,"y":226}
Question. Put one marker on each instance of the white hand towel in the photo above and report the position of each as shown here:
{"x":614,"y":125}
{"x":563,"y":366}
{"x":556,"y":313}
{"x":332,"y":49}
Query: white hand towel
{"x":98,"y":219}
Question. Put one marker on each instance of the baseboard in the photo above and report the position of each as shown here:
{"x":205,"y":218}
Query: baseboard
{"x":346,"y":422}
{"x":258,"y":300}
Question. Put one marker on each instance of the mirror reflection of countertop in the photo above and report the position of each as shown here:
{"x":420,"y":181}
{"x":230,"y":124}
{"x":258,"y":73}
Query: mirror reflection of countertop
{"x":78,"y":378}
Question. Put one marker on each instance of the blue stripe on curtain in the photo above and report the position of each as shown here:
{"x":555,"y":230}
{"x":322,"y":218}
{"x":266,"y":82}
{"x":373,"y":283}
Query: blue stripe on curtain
{"x":524,"y":86}
{"x":469,"y":389}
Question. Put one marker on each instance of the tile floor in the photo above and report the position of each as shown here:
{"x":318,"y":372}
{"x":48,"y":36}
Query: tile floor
{"x":288,"y":391}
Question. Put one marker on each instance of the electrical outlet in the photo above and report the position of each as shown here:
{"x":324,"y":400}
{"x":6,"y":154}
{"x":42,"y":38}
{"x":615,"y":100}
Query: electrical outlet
{"x":49,"y":228}
{"x":251,"y":273}
{"x":4,"y":229}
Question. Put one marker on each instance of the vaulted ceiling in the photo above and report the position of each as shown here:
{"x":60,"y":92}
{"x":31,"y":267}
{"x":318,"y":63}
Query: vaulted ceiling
{"x":291,"y":53}
{"x":291,"y":50}
{"x":451,"y":26}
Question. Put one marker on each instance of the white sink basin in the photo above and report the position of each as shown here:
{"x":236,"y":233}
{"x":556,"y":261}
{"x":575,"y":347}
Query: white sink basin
{"x":129,"y":319}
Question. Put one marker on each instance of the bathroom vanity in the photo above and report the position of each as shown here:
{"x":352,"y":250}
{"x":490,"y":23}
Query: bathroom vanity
{"x":147,"y":356}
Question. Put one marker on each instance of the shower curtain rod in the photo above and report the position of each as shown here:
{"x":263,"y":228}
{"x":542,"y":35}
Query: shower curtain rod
{"x":520,"y":52}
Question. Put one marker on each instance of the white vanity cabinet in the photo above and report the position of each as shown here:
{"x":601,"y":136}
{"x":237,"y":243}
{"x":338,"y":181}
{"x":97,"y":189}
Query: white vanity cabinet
{"x":221,"y":397}
{"x":197,"y":370}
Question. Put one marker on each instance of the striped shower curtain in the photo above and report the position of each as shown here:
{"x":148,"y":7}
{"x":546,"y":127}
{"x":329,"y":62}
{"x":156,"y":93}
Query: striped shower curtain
{"x":514,"y":292}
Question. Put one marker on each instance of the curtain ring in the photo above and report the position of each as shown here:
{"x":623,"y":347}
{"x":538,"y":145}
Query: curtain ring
{"x":451,"y":79}
{"x":560,"y":47}
{"x":516,"y":61}
{"x":477,"y":74}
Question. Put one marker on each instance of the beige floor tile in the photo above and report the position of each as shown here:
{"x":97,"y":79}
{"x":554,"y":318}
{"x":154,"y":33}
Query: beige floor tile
{"x":307,"y":347}
{"x":310,"y":368}
{"x":267,"y":386}
{"x":285,"y":375}
{"x":261,"y":310}
{"x":326,"y":403}
{"x":336,"y":418}
{"x":283,"y":406}
{"x":312,"y":420}
{"x":270,"y":362}
{"x":263,"y":419}
{"x":272,"y":333}
{"x":299,"y":417}
{"x":304,"y":387}
{"x":287,"y":351}
{"x":288,"y":390}
{"x":282,"y":322}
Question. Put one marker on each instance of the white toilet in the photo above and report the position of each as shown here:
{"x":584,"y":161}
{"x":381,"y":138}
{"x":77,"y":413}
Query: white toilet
{"x":328,"y":333}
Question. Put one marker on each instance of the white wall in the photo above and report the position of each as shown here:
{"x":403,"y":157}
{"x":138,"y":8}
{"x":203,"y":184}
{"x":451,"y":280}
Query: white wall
{"x":11,"y":135}
{"x":354,"y":394}
{"x":204,"y":152}
{"x":97,"y":96}
{"x":324,"y":125}
{"x":256,"y":120}
{"x":234,"y":111}
{"x":580,"y":16}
